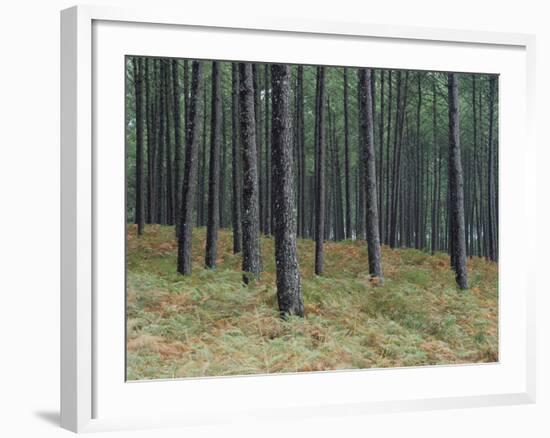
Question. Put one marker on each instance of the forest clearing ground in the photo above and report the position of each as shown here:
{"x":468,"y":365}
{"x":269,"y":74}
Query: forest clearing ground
{"x":209,"y":324}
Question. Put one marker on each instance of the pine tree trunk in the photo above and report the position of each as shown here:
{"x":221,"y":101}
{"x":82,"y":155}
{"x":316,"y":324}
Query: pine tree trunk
{"x":186,"y":102}
{"x":401,"y":104}
{"x":258,"y":125}
{"x":347,"y":169}
{"x":170,"y":199}
{"x":361,"y":214}
{"x":456,"y":186}
{"x":338,"y":189}
{"x":387,"y":223}
{"x":138,"y":83}
{"x":475,"y":171}
{"x":213,"y":223}
{"x":418,"y":174}
{"x":302,"y":154}
{"x":435,"y":207}
{"x":236,"y":161}
{"x":381,"y":158}
{"x":250,"y":216}
{"x":491,"y":226}
{"x":368,"y":156}
{"x":223,"y":166}
{"x":161,"y":200}
{"x":202,"y":165}
{"x":190,"y":170}
{"x":149,"y":111}
{"x":267,"y":164}
{"x":289,"y":295}
{"x":178,"y":153}
{"x":320,"y":174}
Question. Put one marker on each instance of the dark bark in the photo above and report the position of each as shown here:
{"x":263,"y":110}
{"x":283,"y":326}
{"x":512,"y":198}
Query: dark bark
{"x":401,"y":105}
{"x":214,"y":174}
{"x":491,"y":213}
{"x":338,"y":198}
{"x":267,"y":164}
{"x":236,"y":161}
{"x":302,"y":153}
{"x":476,"y":159}
{"x":250,"y":215}
{"x":368,"y":156}
{"x":320,"y":174}
{"x":418,"y":173}
{"x":149,"y":115}
{"x":381,"y":159}
{"x":152,"y":143}
{"x":168,"y":103}
{"x":395,"y":168}
{"x":456,"y":186}
{"x":139,"y":218}
{"x":186,"y":101}
{"x":436,"y":164}
{"x":178,"y":153}
{"x":201,"y":180}
{"x":347,"y":172}
{"x":289,"y":295}
{"x":361,"y":215}
{"x":387,"y":171}
{"x":223,"y":166}
{"x":190,"y":170}
{"x":258,"y":124}
{"x":160,"y":173}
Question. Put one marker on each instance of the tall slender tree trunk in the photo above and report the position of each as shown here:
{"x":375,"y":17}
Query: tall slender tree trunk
{"x":236,"y":161}
{"x":302,"y":154}
{"x":161,"y":200}
{"x":401,"y":105}
{"x":150,"y":142}
{"x":138,"y":84}
{"x":394,"y":191}
{"x":475,"y":171}
{"x":149,"y":111}
{"x":436,"y":148}
{"x":338,"y":202}
{"x":185,"y":101}
{"x":178,"y":153}
{"x":320,"y":174}
{"x":361,"y":226}
{"x":267,"y":164}
{"x":258,"y":124}
{"x":202,"y":166}
{"x":381,"y":158}
{"x":214,"y":175}
{"x":190,"y":170}
{"x":456,"y":186}
{"x":289,"y":295}
{"x":368,"y":156}
{"x":347,"y":170}
{"x":251,"y":214}
{"x":315,"y":158}
{"x":418,"y":173}
{"x":491,"y":213}
{"x":387,"y":171}
{"x":223,"y":164}
{"x":170,"y":198}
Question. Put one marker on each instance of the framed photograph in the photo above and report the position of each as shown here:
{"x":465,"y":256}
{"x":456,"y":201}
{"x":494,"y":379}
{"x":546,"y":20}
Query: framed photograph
{"x":266,"y":217}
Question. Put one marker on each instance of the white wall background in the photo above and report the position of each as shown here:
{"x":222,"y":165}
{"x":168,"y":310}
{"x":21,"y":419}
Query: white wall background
{"x":29,"y":217}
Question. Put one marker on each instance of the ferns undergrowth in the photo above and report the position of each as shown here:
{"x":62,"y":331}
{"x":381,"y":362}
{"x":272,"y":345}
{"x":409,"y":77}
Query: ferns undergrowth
{"x":209,"y":324}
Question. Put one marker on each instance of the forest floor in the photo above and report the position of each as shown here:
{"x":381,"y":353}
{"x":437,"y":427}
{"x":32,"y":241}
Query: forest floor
{"x":209,"y":324}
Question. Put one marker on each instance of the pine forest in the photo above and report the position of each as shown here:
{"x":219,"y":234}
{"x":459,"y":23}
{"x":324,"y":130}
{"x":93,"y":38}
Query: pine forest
{"x":285,"y":218}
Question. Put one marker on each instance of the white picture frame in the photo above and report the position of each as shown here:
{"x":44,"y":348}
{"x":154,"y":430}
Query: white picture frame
{"x":93,"y":389}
